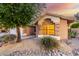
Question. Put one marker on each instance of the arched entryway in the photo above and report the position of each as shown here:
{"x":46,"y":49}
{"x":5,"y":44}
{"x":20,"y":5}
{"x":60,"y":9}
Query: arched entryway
{"x":47,"y":27}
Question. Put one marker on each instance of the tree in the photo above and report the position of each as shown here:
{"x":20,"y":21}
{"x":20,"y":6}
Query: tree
{"x":16,"y":15}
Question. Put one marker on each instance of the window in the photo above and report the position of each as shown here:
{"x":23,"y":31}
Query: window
{"x":47,"y":29}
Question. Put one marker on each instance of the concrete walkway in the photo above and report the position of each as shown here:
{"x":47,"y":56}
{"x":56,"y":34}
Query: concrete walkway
{"x":74,"y":43}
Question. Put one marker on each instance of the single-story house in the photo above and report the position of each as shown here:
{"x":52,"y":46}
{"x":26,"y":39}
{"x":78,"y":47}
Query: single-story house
{"x":50,"y":25}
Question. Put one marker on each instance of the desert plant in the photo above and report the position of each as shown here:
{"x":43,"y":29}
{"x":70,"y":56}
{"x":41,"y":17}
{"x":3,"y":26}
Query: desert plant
{"x":7,"y":38}
{"x":49,"y":42}
{"x":72,"y":34}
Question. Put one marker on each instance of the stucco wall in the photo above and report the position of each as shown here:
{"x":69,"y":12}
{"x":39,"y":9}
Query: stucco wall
{"x":63,"y":29}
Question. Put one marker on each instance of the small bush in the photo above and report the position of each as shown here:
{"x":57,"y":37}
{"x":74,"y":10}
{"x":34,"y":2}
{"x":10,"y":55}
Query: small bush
{"x":75,"y":25}
{"x":72,"y":34}
{"x":49,"y":42}
{"x":7,"y":38}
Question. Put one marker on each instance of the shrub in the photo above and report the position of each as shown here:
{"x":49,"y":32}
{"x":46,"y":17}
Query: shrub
{"x":72,"y":34}
{"x":7,"y":38}
{"x":49,"y":42}
{"x":75,"y":25}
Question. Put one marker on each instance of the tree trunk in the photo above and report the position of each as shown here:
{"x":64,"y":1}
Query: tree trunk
{"x":18,"y":37}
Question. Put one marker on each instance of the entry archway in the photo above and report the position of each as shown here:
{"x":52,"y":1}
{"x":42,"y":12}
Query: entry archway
{"x":47,"y":27}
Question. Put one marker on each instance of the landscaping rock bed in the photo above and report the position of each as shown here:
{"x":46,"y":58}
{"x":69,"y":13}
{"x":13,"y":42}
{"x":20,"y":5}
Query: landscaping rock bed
{"x":39,"y":53}
{"x":76,"y":52}
{"x":35,"y":49}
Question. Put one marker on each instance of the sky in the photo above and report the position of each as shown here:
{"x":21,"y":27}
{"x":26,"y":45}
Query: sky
{"x":68,"y":9}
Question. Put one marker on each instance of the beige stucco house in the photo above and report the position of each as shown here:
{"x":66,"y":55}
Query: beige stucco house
{"x":50,"y":25}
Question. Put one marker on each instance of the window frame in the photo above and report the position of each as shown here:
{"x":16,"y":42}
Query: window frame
{"x":46,"y":29}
